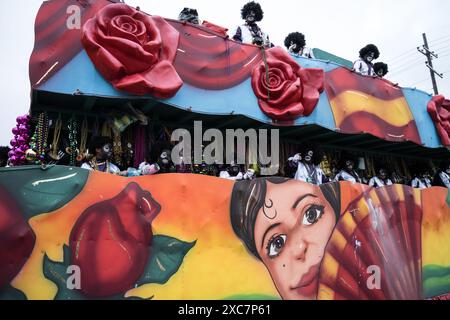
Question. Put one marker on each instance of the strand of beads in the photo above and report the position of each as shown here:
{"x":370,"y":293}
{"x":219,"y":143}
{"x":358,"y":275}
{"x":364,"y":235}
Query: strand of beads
{"x":83,"y":140}
{"x":20,"y":141}
{"x":39,"y":140}
{"x":72,"y":126}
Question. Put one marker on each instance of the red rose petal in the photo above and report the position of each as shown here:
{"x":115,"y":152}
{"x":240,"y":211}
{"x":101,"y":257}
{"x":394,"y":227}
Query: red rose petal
{"x":290,"y":94}
{"x":170,"y":38}
{"x":310,"y":98}
{"x":161,"y":81}
{"x":313,"y":77}
{"x":288,"y":112}
{"x":128,"y":28}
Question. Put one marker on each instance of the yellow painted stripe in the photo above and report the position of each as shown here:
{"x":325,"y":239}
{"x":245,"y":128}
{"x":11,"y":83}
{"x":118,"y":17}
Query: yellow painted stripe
{"x":396,"y":112}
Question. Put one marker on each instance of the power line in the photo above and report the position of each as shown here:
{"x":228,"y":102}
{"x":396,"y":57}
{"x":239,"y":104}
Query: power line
{"x":405,"y":69}
{"x":407,"y":53}
{"x":444,"y":51}
{"x":401,"y":64}
{"x":440,"y":48}
{"x":445,"y":56}
{"x":416,"y":83}
{"x":436,"y":41}
{"x":412,"y":51}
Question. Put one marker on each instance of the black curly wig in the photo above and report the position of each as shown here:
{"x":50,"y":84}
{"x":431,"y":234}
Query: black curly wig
{"x":97,"y":142}
{"x":367,"y":49}
{"x":380,"y":66}
{"x":255,"y":7}
{"x":297,"y":38}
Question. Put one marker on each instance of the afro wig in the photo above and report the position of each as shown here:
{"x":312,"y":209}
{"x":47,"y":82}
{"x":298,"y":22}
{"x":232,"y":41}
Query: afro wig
{"x":97,"y":143}
{"x":380,"y":66}
{"x":189,"y":15}
{"x":296,"y":38}
{"x":255,"y":7}
{"x":367,"y":49}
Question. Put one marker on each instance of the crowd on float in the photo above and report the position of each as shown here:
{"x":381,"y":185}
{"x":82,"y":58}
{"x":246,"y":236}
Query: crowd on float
{"x":310,"y":164}
{"x":250,"y":33}
{"x":114,"y":147}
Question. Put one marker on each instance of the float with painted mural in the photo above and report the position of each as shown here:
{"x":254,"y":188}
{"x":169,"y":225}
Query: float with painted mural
{"x":71,"y":233}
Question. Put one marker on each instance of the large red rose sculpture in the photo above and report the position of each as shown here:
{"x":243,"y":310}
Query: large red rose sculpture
{"x":133,"y":51}
{"x":439,"y":110}
{"x":286,"y":91}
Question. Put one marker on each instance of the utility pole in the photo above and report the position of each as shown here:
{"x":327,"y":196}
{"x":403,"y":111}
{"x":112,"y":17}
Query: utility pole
{"x":429,"y":63}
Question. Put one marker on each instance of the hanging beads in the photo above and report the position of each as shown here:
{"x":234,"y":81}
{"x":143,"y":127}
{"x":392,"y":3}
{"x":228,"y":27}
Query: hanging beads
{"x":39,"y":140}
{"x":72,"y":126}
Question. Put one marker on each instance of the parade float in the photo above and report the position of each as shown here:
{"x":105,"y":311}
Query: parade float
{"x":70,"y":233}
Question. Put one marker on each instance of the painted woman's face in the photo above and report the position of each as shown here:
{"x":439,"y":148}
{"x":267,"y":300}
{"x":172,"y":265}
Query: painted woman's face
{"x":291,"y":233}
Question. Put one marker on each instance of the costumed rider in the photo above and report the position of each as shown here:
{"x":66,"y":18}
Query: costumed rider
{"x":421,"y":179}
{"x":381,"y":69}
{"x":364,"y":65}
{"x":295,"y":43}
{"x":165,"y":162}
{"x":381,"y":179}
{"x":348,"y":172}
{"x":442,"y":176}
{"x":101,"y":150}
{"x":250,"y":32}
{"x":189,"y":15}
{"x":308,"y":168}
{"x":291,"y":165}
{"x":233,"y":172}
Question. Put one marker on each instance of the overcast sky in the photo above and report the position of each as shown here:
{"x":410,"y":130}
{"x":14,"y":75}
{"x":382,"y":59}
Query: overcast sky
{"x":341,"y":27}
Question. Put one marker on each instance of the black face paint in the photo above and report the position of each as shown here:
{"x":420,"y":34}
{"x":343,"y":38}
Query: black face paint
{"x":309,"y":156}
{"x":105,"y":152}
{"x":349,"y":165}
{"x":369,"y":57}
{"x":250,"y":18}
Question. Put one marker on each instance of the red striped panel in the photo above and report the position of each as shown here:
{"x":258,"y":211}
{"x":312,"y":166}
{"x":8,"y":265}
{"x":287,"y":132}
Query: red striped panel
{"x":362,"y":121}
{"x":341,"y":80}
{"x":55,"y":45}
{"x":209,"y":61}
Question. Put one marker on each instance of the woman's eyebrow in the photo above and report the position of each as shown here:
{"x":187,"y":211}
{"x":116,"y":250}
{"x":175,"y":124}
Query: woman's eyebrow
{"x":301,"y":198}
{"x":265,"y":233}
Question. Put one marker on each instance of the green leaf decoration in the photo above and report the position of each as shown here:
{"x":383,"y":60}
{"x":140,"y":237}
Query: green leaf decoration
{"x":38,"y":190}
{"x":436,"y":280}
{"x":57,"y":273}
{"x":10,"y":293}
{"x":166,"y":256}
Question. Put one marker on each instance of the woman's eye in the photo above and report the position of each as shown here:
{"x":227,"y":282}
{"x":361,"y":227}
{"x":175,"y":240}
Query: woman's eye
{"x":276,"y":245}
{"x":312,"y":215}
